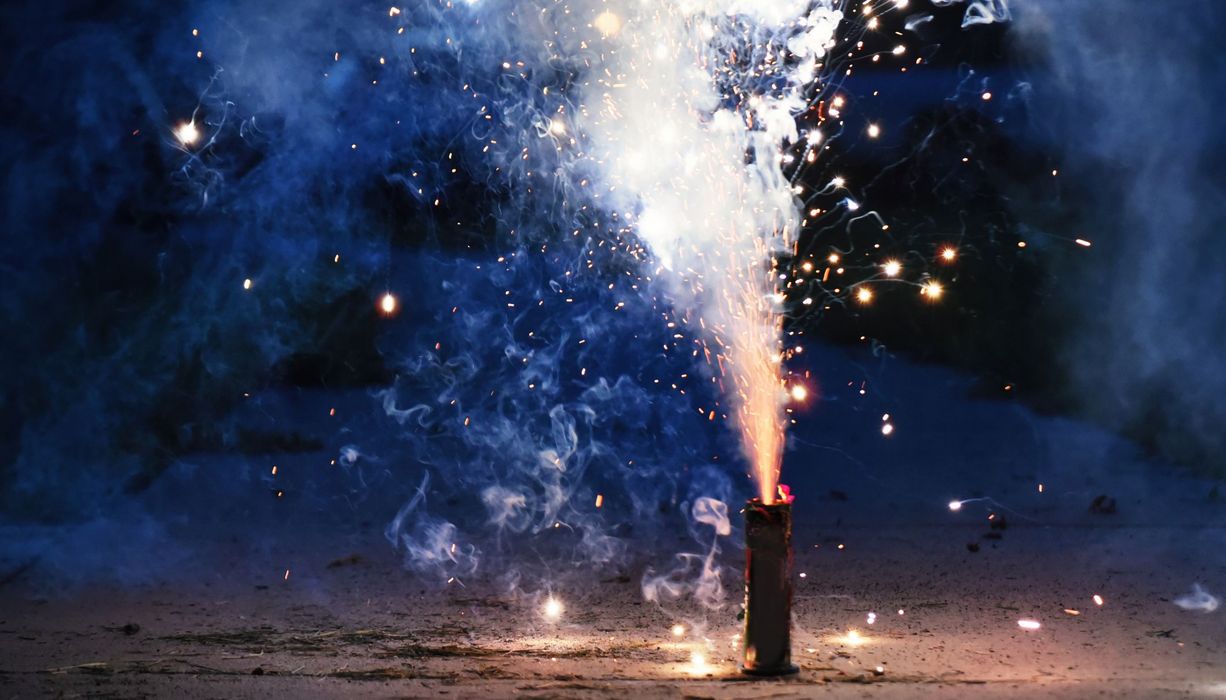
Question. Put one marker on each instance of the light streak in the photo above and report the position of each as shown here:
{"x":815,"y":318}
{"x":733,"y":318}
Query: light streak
{"x":1029,"y":625}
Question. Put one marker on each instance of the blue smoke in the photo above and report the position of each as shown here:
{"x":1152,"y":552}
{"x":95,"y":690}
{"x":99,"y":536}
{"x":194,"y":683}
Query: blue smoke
{"x":165,"y":300}
{"x":1131,"y":94}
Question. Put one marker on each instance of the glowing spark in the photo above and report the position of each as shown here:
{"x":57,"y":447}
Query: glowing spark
{"x":871,"y":618}
{"x":887,"y":429}
{"x":1030,"y":625}
{"x":834,"y":258}
{"x":247,"y":283}
{"x":187,"y":133}
{"x":678,"y":630}
{"x":901,"y":4}
{"x":1098,"y":600}
{"x":1083,"y":243}
{"x":874,"y":131}
{"x":891,"y":268}
{"x":955,"y":506}
{"x":986,"y":96}
{"x":864,"y":295}
{"x":949,"y":254}
{"x":853,"y":638}
{"x":388,"y":303}
{"x":599,"y":500}
{"x":552,"y":610}
{"x":799,"y":392}
{"x":899,"y":50}
{"x":607,"y":23}
{"x":557,"y":127}
{"x":932,"y":289}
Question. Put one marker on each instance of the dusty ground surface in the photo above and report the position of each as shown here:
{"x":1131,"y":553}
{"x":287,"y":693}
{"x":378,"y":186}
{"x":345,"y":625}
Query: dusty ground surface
{"x":199,"y":604}
{"x":361,"y":628}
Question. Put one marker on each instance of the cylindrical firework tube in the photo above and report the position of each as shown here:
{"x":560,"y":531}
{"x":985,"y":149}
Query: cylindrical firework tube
{"x":768,"y":589}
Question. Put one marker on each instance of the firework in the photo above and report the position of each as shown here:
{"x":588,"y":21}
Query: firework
{"x":768,"y":588}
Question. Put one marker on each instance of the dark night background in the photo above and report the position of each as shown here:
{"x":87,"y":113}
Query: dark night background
{"x":131,"y":345}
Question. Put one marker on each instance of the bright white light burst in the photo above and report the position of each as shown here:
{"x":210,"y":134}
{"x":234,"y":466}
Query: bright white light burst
{"x":187,"y":133}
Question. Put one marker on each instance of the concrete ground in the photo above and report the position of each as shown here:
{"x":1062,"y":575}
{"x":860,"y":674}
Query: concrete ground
{"x":897,"y":595}
{"x":362,"y":628}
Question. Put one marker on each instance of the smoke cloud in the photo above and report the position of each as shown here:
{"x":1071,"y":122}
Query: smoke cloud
{"x":1125,"y":92}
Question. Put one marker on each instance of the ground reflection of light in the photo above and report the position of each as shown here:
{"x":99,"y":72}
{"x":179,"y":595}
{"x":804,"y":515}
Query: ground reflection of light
{"x":552,"y":610}
{"x":698,"y":664}
{"x":852,"y":638}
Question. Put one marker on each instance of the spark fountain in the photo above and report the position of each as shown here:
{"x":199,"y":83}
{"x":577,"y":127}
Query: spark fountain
{"x":696,"y":150}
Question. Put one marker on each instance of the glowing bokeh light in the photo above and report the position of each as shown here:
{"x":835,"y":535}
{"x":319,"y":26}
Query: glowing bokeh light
{"x":187,"y":133}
